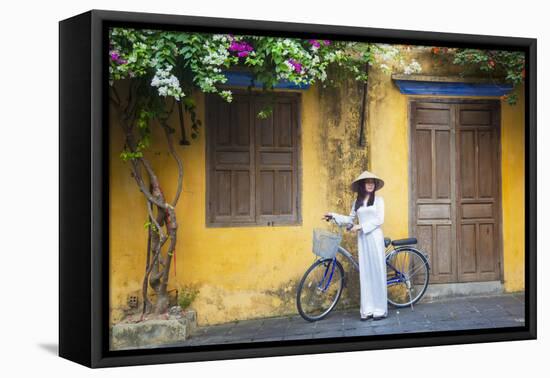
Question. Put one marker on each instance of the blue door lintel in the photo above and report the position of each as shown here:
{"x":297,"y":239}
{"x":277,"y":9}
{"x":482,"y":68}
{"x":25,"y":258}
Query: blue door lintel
{"x":419,"y":85}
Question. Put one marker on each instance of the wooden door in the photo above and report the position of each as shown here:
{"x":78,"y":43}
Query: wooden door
{"x":478,"y":192}
{"x":433,"y":192}
{"x":455,"y":192}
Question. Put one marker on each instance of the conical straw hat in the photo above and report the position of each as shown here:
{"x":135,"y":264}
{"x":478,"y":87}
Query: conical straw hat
{"x":378,"y":182}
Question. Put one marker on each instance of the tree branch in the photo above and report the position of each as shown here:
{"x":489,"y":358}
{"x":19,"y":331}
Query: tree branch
{"x":141,"y":184}
{"x":177,"y":158}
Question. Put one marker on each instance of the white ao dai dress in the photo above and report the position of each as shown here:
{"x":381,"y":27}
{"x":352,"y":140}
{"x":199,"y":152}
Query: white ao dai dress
{"x":372,"y":263}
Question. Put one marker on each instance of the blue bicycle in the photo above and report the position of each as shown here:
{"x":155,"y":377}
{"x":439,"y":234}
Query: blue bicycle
{"x":408,"y":274}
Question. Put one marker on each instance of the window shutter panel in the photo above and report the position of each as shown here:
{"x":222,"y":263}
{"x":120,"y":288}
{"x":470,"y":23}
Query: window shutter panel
{"x":230,"y":160}
{"x":276,"y":161}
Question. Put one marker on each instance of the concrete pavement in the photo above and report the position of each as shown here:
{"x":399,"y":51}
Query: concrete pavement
{"x":449,"y":314}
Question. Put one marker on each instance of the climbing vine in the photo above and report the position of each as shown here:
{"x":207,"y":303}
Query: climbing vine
{"x":497,"y":64}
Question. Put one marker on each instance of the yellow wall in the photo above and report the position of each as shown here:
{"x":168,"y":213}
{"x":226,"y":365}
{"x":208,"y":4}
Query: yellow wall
{"x":242,"y":272}
{"x":513,"y":193}
{"x":248,"y":272}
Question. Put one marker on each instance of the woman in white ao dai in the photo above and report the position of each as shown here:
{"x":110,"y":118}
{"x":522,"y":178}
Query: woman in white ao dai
{"x":369,"y":213}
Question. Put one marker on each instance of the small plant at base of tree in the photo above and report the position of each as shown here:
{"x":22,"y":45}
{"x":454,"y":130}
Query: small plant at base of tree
{"x":187,"y":295}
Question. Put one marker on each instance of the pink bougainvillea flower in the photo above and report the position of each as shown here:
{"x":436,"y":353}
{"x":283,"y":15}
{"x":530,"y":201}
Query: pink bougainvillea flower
{"x":114,"y":55}
{"x":314,"y":43}
{"x":297,"y":65}
{"x":326,"y":42}
{"x":241,"y":48}
{"x":234,"y":46}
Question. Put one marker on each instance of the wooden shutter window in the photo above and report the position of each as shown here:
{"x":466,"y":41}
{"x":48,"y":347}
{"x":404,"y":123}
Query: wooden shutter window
{"x":276,"y":163}
{"x":231,"y":165}
{"x":252,"y":163}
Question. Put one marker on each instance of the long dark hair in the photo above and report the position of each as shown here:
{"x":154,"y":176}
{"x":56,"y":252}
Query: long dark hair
{"x":362,"y":193}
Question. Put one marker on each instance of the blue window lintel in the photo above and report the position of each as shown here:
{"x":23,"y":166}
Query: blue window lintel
{"x":245,"y":79}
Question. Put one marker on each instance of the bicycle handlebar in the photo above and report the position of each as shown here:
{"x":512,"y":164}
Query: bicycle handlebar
{"x":347,"y":226}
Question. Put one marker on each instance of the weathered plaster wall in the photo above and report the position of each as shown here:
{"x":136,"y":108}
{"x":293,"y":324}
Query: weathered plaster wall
{"x":513,"y":193}
{"x":248,"y":272}
{"x":242,"y":272}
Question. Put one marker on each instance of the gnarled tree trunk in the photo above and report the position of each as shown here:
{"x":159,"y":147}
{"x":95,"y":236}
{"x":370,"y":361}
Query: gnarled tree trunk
{"x":162,"y":223}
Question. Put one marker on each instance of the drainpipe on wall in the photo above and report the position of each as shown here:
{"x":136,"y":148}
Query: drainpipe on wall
{"x":364,"y":110}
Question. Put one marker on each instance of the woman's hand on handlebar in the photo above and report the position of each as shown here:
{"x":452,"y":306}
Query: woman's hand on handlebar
{"x":354,"y":228}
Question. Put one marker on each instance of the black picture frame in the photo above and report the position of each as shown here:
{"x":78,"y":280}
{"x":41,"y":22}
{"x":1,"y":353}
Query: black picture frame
{"x":84,"y":192}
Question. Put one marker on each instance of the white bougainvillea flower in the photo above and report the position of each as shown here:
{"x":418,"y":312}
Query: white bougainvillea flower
{"x":167,"y":84}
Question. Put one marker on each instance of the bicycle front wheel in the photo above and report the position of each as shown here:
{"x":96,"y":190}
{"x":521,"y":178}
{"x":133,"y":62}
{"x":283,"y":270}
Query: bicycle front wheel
{"x":320,"y":289}
{"x":408,"y":276}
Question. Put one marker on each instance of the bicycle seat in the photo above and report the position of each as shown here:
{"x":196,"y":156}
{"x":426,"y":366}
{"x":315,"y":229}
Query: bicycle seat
{"x":407,"y":241}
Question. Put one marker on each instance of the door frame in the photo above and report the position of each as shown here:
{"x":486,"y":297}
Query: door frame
{"x":411,"y":197}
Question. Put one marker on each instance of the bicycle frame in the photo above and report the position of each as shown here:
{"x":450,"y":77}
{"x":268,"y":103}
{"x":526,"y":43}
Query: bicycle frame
{"x":348,"y":256}
{"x":399,"y":276}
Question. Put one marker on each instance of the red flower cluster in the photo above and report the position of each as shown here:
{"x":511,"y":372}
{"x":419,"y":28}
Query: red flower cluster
{"x":439,"y":50}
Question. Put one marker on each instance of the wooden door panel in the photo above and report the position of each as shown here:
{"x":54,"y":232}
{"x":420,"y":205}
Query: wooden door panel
{"x":424,"y":163}
{"x":430,"y":212}
{"x":467,"y":164}
{"x":475,"y":115}
{"x":433,"y":114}
{"x":433,"y":207}
{"x":486,"y":247}
{"x":478,"y":192}
{"x":443,"y":163}
{"x":486,"y":168}
{"x":443,"y":242}
{"x":424,"y":235}
{"x":467,"y":255}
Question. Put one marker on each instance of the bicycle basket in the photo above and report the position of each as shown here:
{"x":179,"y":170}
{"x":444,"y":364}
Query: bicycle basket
{"x":325,"y":243}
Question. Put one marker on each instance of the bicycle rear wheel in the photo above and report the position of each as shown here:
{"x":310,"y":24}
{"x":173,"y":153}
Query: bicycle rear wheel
{"x":408,"y":276}
{"x":320,"y":289}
